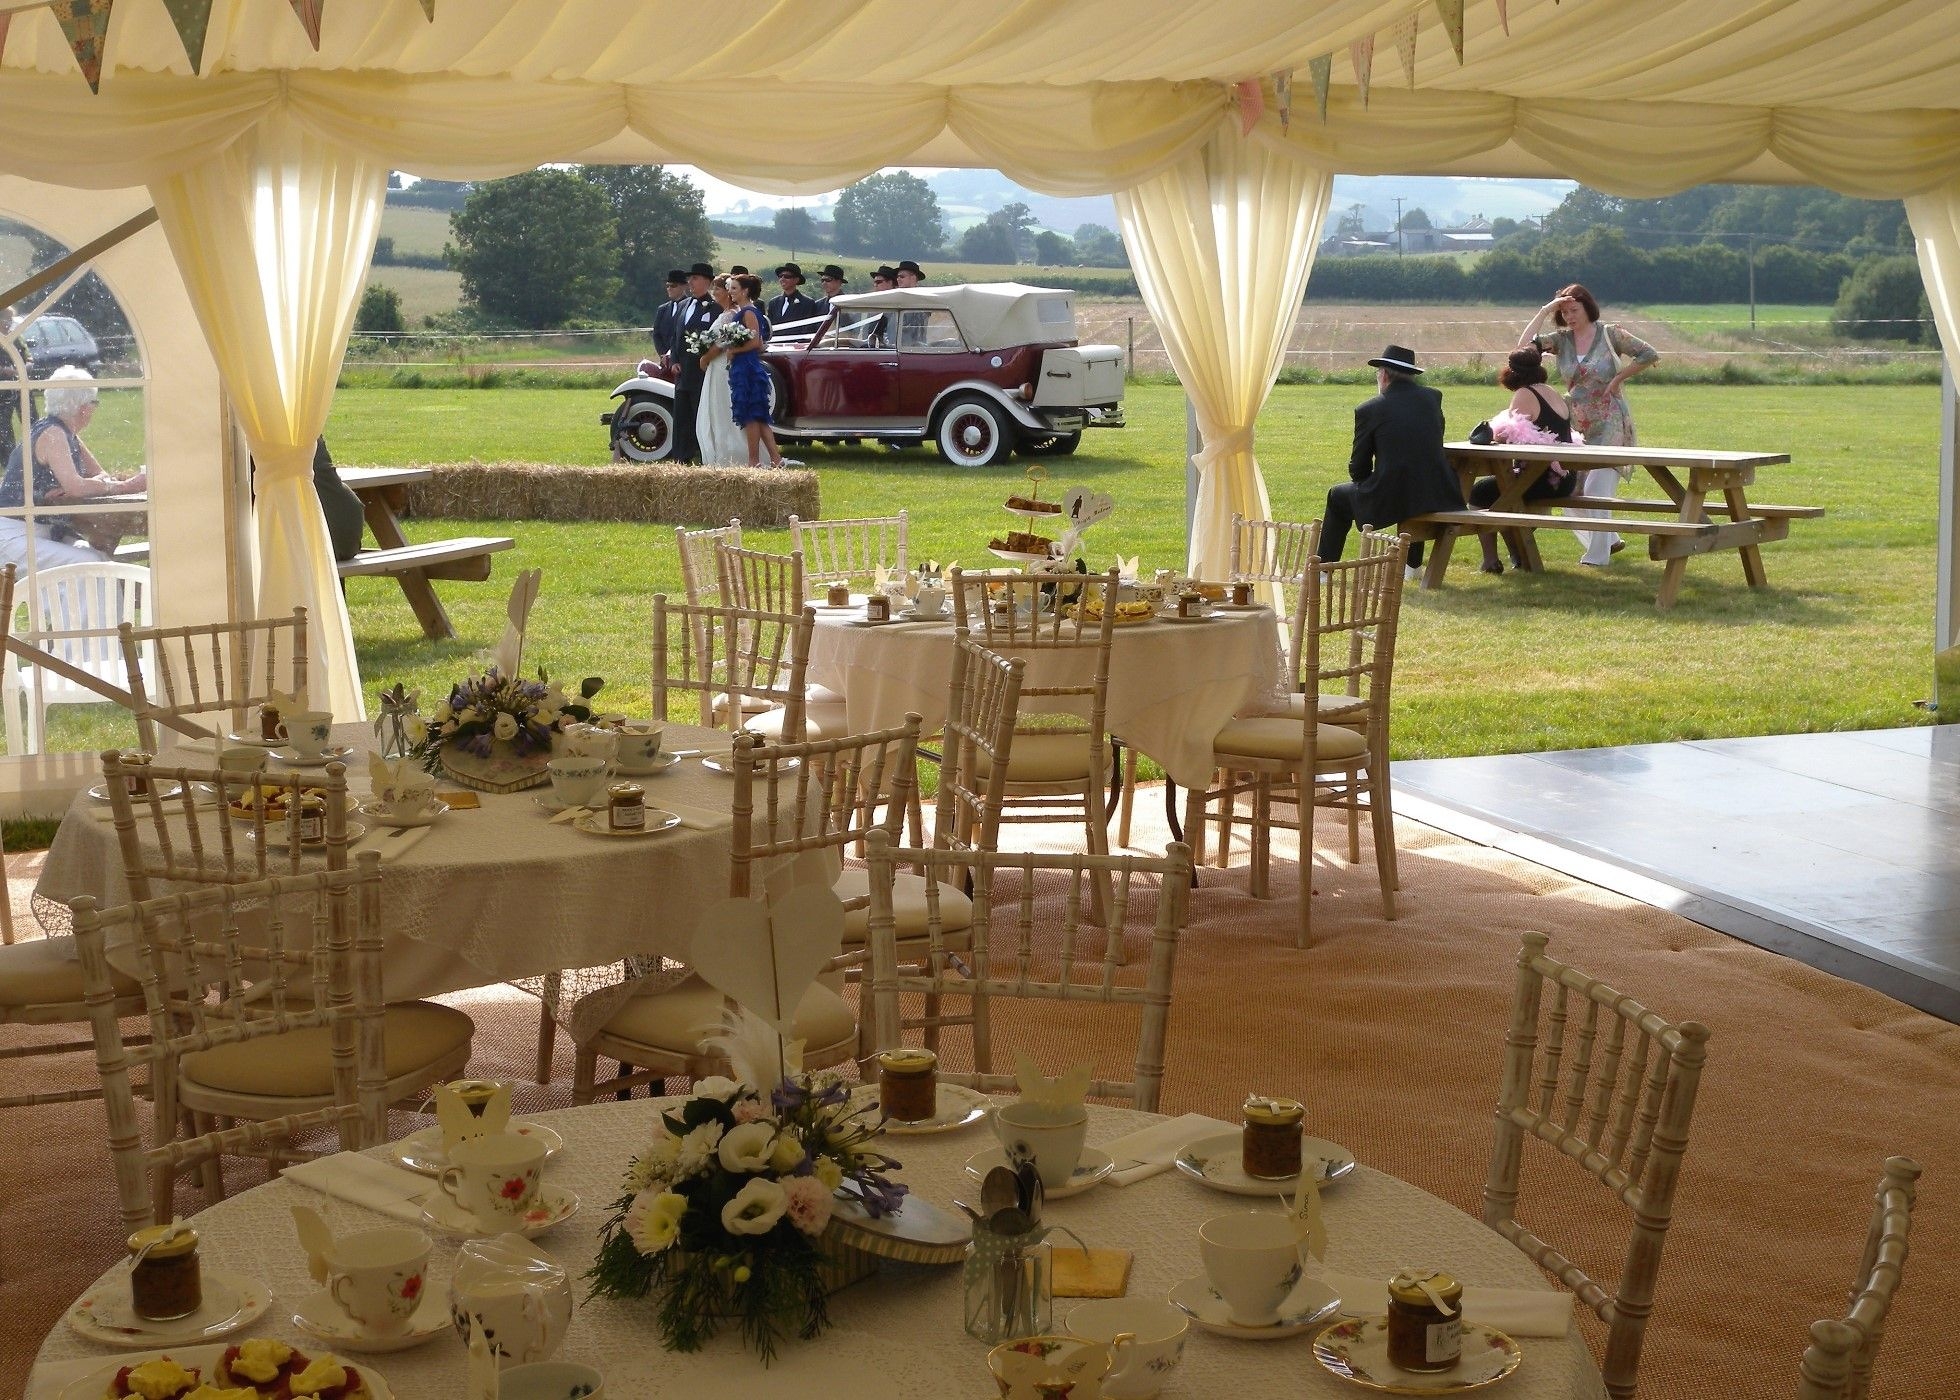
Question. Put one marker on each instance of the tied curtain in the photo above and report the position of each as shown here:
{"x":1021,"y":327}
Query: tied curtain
{"x":272,"y":235}
{"x":1221,"y":243}
{"x":1935,"y":219}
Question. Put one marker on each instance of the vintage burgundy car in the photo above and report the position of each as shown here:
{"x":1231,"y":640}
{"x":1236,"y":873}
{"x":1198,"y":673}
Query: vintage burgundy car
{"x":979,"y":371}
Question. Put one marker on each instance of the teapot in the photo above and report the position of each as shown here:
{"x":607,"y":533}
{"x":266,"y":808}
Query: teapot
{"x":519,"y":1298}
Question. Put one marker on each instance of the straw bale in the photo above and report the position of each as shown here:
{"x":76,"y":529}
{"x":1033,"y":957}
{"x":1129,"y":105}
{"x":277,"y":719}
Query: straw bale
{"x":669,"y":495}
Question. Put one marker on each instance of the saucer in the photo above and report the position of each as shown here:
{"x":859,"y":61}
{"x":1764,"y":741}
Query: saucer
{"x":1357,"y":1350}
{"x":278,"y":839}
{"x":725,"y":763}
{"x":423,"y":1152}
{"x":165,"y":791}
{"x":292,"y":757}
{"x":1216,"y":1162}
{"x":545,"y":802}
{"x":662,"y":761}
{"x":555,"y":1206}
{"x":324,"y":1320}
{"x":254,"y":740}
{"x":104,"y":1314}
{"x":1237,"y":607}
{"x":598,"y":824}
{"x":426,"y":818}
{"x":1177,"y":617}
{"x":1310,"y":1303}
{"x":857,"y":601}
{"x":1094,"y":1165}
{"x":872,"y":621}
{"x":955,"y":1107}
{"x":914,"y":615}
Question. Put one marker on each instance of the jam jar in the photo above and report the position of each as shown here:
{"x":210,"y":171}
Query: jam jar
{"x":877,"y":608}
{"x":1270,"y":1149}
{"x":626,"y":807}
{"x":268,"y":722}
{"x":138,"y":783}
{"x":165,"y":1282}
{"x":1190,"y":604}
{"x":1425,"y":1321}
{"x":839,"y":595}
{"x":312,"y":819}
{"x":908,"y":1084}
{"x":1241,"y":593}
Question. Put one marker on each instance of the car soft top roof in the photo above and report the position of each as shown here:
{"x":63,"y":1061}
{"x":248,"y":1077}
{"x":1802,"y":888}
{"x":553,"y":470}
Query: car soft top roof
{"x":992,"y":315}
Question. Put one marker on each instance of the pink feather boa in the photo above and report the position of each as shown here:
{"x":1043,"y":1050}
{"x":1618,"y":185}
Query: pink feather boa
{"x":1510,"y":426}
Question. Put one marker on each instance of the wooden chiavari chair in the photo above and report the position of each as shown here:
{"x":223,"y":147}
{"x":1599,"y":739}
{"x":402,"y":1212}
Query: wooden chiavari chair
{"x":851,"y":551}
{"x":223,"y":669}
{"x":700,"y":574}
{"x":1837,"y":1365}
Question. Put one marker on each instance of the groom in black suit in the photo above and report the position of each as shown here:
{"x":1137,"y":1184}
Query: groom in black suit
{"x":697,"y":313}
{"x":1397,"y":469}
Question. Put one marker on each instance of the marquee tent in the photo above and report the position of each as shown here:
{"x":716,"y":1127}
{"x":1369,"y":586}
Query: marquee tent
{"x":267,"y":156}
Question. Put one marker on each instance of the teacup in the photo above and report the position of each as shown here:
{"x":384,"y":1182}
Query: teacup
{"x":551,"y":1380}
{"x":1051,"y":1367}
{"x":931,"y":601}
{"x":1053,"y":1137}
{"x":578,"y":779}
{"x":376,"y":1277}
{"x":495,"y":1178}
{"x":240,"y":758}
{"x":407,"y":805}
{"x":1253,"y":1259}
{"x":306,"y":732}
{"x":1156,"y":1331}
{"x":639,"y":746}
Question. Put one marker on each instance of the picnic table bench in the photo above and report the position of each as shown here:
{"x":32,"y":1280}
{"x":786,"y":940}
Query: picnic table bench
{"x":1723,"y":476}
{"x":383,"y":492}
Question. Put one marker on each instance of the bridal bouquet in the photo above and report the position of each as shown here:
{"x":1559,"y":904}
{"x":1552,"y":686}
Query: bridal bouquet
{"x":724,"y":1212}
{"x":694,"y":342}
{"x":732,"y":334}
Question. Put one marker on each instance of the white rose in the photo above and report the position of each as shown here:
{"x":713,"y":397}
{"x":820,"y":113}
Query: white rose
{"x":756,"y":1208}
{"x":787,"y":1153}
{"x":746,"y":1148}
{"x":696,"y":1148}
{"x":716,"y":1086}
{"x":505,"y":726}
{"x":829,"y":1173}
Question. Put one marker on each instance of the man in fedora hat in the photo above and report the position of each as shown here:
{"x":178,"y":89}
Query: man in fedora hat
{"x":832,"y":281}
{"x":1397,"y":468}
{"x":909,"y":274}
{"x":697,"y":314}
{"x":666,"y":336}
{"x":792,"y":305}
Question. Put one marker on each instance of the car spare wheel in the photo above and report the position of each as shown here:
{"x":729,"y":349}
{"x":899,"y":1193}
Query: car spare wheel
{"x":974,"y":432}
{"x":1060,"y":445}
{"x":643,"y":429}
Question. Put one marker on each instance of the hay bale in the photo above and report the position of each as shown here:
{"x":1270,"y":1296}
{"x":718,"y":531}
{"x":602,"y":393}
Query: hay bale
{"x":764,"y":498}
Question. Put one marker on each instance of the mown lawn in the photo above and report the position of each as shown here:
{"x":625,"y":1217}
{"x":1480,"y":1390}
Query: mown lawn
{"x":1490,"y":664}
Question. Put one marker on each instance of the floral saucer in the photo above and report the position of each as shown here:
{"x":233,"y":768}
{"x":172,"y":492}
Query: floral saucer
{"x":660,"y":763}
{"x":1091,"y":1168}
{"x":599,"y":824}
{"x":555,"y":1206}
{"x":278,"y":836}
{"x":104,"y":1314}
{"x":955,"y":1107}
{"x":293,"y":758}
{"x":423,"y":1152}
{"x":1310,"y":1303}
{"x":426,"y":817}
{"x":1357,"y":1350}
{"x":725,"y":763}
{"x":254,"y":740}
{"x":324,"y":1320}
{"x":1216,"y":1162}
{"x":165,"y":791}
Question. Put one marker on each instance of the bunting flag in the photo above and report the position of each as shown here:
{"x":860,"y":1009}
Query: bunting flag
{"x":1362,"y":53}
{"x":193,"y":20}
{"x":1322,"y":69}
{"x":1504,"y":16}
{"x":1252,"y":103}
{"x":6,"y":19}
{"x":429,"y":9}
{"x":86,"y":25}
{"x":309,"y":12}
{"x":1405,"y":44}
{"x":1452,"y":13}
{"x":1283,"y":94}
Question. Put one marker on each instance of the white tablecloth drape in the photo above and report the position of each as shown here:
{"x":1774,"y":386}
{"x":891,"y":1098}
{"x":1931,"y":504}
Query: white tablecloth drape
{"x":898,"y":1334}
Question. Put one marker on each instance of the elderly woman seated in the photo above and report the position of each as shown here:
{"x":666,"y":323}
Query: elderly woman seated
{"x":64,"y":470}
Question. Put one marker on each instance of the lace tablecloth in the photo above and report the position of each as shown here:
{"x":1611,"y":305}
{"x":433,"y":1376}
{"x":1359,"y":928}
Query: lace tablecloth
{"x":1172,"y":685}
{"x":498,"y":894}
{"x":898,"y":1333}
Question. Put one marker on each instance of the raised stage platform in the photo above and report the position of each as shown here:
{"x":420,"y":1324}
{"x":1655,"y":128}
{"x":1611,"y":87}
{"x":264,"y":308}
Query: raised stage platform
{"x":1840,"y":850}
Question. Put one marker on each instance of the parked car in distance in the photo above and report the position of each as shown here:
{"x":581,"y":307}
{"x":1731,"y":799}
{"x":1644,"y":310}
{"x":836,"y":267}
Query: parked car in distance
{"x":980,"y":371}
{"x":52,"y":341}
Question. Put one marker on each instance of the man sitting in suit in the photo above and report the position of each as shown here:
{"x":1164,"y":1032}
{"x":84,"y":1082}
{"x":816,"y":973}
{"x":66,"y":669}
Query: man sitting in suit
{"x":1397,"y":468}
{"x":792,"y":305}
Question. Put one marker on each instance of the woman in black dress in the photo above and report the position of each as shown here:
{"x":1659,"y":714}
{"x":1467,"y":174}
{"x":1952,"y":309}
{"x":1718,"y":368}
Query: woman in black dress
{"x":1537,"y":413}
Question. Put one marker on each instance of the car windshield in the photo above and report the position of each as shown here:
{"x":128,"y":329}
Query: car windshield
{"x":858,"y":329}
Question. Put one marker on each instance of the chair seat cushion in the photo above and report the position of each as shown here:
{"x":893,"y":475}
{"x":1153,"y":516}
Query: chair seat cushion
{"x":814,"y":694}
{"x":819,"y":722}
{"x":674,"y":1021}
{"x":908,"y":906}
{"x":1334,"y":709}
{"x":44,"y":971}
{"x":1045,"y":758}
{"x":299,"y":1064}
{"x":1286,"y":740}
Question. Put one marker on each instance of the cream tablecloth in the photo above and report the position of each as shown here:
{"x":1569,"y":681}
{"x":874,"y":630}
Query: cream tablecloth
{"x":898,"y":1333}
{"x":1172,"y":685}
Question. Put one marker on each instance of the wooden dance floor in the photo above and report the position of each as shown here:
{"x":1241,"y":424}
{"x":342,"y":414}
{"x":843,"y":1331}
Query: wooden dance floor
{"x":1840,"y":850}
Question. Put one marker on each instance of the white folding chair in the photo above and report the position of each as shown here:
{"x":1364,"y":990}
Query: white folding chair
{"x":73,"y":615}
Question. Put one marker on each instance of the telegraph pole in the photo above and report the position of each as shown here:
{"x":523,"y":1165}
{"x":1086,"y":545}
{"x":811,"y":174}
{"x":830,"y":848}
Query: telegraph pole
{"x":1752,"y":284}
{"x":1399,"y":239}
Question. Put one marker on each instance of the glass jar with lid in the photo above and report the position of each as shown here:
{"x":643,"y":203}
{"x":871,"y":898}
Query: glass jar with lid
{"x":626,"y":807}
{"x":1270,"y":1148}
{"x":1425,"y":1320}
{"x":908,"y":1084}
{"x":165,"y":1279}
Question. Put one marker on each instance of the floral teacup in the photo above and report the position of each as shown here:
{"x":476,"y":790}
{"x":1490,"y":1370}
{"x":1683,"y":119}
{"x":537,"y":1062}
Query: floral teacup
{"x":376,"y":1276}
{"x":495,"y":1178}
{"x":1052,"y":1366}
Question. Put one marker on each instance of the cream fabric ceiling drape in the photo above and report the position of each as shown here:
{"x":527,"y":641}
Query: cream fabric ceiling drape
{"x":273,"y":238}
{"x":1221,"y":244}
{"x":1935,"y":219}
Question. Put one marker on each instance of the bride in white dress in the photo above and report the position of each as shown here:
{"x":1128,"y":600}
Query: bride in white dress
{"x":722,"y":444}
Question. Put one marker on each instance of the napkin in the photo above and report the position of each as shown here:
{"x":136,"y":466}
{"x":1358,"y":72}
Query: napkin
{"x":1148,"y":1151}
{"x":348,"y":1176}
{"x":392,"y":842}
{"x":1521,"y":1312}
{"x":698,"y":818}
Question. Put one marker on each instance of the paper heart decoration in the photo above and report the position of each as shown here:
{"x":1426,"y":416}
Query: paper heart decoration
{"x":397,"y":780}
{"x":464,"y":1111}
{"x":1065,"y":1090}
{"x":881,"y":578}
{"x":1126,"y":569}
{"x":285,"y":704}
{"x":766,"y":956}
{"x":1082,"y":507}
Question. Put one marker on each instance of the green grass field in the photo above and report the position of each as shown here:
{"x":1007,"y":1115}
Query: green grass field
{"x":1734,"y":315}
{"x":415,"y":230}
{"x":1569,"y":658}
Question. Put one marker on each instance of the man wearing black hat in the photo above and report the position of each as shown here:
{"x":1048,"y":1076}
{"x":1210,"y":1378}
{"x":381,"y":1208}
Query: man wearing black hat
{"x":1397,"y":470}
{"x":833,"y":281}
{"x":666,"y":336}
{"x":697,"y":314}
{"x":909,"y":274}
{"x":792,"y":305}
{"x":884,"y":329}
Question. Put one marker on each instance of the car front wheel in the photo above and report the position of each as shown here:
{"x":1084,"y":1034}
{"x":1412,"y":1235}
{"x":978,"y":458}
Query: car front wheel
{"x":974,"y":433}
{"x":643,"y":429}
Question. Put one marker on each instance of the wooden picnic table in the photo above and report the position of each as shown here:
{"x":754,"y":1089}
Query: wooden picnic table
{"x":1677,"y":528}
{"x":383,"y":492}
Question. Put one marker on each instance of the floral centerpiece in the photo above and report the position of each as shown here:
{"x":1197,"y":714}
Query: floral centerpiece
{"x":723,"y":1215}
{"x":496,"y":731}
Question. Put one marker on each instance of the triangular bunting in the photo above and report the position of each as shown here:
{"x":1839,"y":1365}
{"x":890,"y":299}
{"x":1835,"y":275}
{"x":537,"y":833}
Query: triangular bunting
{"x":1452,"y":13}
{"x":309,"y":12}
{"x":429,"y":9}
{"x":1504,"y":15}
{"x":1362,"y":53}
{"x":86,"y":25}
{"x":1405,"y":44}
{"x":5,"y":20}
{"x":193,"y":20}
{"x":1283,"y":95}
{"x":1322,"y":69}
{"x":1252,"y":103}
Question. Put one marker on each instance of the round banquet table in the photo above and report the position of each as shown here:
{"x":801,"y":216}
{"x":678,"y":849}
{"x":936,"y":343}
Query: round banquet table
{"x":898,"y":1333}
{"x":500,"y":893}
{"x":1172,"y":685}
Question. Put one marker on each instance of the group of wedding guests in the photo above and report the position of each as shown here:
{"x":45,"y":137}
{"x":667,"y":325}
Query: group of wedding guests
{"x":1398,"y":470}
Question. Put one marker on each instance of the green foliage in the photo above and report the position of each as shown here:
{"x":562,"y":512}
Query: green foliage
{"x":661,"y":221}
{"x":1797,"y":214}
{"x":1416,"y":218}
{"x":894,"y":214}
{"x":380,"y":312}
{"x":1053,"y":250}
{"x":1096,"y":246}
{"x":432,"y":194}
{"x":796,"y":230}
{"x":1884,"y":299}
{"x":987,"y":242}
{"x":537,"y":249}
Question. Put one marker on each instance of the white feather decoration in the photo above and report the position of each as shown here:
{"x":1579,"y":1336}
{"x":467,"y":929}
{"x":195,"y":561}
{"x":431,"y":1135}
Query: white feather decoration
{"x":757,"y":1055}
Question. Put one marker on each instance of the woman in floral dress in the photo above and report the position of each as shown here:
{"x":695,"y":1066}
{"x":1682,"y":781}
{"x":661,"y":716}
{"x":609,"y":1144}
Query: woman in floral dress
{"x":1595,"y":360}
